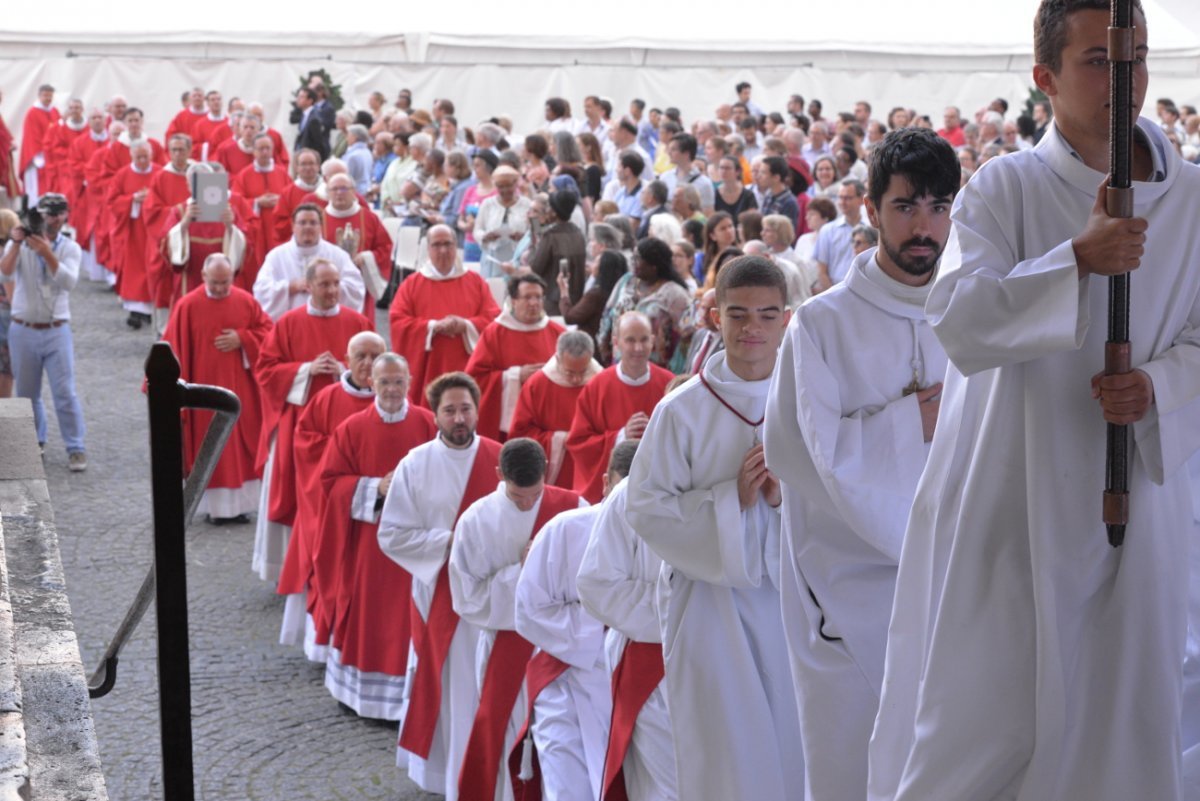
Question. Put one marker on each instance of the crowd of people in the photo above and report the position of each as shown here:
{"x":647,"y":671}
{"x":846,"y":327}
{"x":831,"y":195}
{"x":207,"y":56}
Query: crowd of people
{"x":665,"y":416}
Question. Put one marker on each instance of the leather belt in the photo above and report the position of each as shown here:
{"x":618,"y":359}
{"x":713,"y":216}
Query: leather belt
{"x":40,"y":326}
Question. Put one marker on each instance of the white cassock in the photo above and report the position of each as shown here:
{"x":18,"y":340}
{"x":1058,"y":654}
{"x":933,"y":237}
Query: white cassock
{"x":729,"y":686}
{"x":846,"y":442}
{"x":1027,"y":658}
{"x":1191,"y":661}
{"x":570,"y":716}
{"x":287,"y":263}
{"x":485,"y":561}
{"x":414,"y":530}
{"x":618,"y":583}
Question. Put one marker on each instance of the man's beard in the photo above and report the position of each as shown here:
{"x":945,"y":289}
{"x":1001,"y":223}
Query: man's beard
{"x":457,"y":435}
{"x":910,"y":264}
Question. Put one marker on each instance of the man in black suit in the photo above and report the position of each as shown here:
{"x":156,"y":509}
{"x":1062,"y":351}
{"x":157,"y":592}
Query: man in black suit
{"x":313,"y":132}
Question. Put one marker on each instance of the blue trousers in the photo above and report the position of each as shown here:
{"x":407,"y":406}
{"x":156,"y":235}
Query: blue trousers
{"x":52,"y":351}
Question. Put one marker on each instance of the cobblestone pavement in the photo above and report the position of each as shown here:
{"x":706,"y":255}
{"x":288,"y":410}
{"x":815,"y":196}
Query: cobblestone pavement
{"x":265,"y":728}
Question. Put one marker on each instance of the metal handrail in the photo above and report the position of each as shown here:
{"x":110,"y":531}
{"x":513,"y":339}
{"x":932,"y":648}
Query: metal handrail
{"x":175,"y":503}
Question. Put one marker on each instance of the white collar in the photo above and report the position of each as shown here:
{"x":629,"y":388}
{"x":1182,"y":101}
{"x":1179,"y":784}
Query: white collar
{"x":210,"y":294}
{"x":392,"y":417}
{"x":268,"y":169}
{"x":882,"y":292}
{"x":313,"y":311}
{"x":632,"y":382}
{"x":222,"y":118}
{"x":306,"y":252}
{"x":198,"y":112}
{"x":244,"y":148}
{"x":309,"y":187}
{"x":350,"y":388}
{"x":552,"y":371}
{"x":79,"y":126}
{"x":146,"y":171}
{"x":98,"y":137}
{"x":429,"y":271}
{"x":125,"y":140}
{"x":507,"y":320}
{"x":43,"y":108}
{"x":171,"y":168}
{"x":341,"y":215}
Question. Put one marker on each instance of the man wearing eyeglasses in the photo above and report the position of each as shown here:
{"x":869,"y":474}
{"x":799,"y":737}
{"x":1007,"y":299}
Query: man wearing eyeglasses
{"x":45,"y":268}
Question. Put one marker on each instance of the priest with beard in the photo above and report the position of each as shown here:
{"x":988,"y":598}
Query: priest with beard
{"x":510,"y":351}
{"x":431,"y":488}
{"x":32,"y":160}
{"x":615,"y":405}
{"x":281,"y":285}
{"x":357,"y":230}
{"x":127,"y":193}
{"x":261,"y":185}
{"x":487,"y":551}
{"x":329,"y":407}
{"x":308,"y":181}
{"x":365,"y":596}
{"x":297,"y":361}
{"x":439,"y":312}
{"x":546,"y":405}
{"x":187,"y":242}
{"x":216,"y":332}
{"x":57,"y":146}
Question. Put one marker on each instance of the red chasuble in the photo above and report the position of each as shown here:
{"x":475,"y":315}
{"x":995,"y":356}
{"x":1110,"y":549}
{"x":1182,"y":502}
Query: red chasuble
{"x":117,"y":155}
{"x":212,"y":132}
{"x":57,"y":147}
{"x":543,"y":408}
{"x":372,"y":237}
{"x":364,"y":596}
{"x":33,"y":135}
{"x":499,"y":348}
{"x":129,"y":234}
{"x":231,"y":156}
{"x":281,"y":155}
{"x":320,"y":418}
{"x":251,"y":184}
{"x":605,"y":406}
{"x":169,"y":193}
{"x":502,"y":678}
{"x":195,"y":323}
{"x":8,"y":168}
{"x":421,"y":299}
{"x":79,"y":199}
{"x":634,"y":679}
{"x":185,"y":123}
{"x":289,"y":199}
{"x":431,"y":638}
{"x":298,"y":337}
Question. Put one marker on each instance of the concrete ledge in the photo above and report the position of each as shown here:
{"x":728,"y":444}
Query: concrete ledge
{"x":45,"y":712}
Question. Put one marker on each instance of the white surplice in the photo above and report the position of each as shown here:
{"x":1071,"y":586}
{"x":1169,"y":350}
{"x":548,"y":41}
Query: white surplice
{"x":1028,"y":659}
{"x":846,"y":442}
{"x":571,"y":715}
{"x":729,"y":686}
{"x":485,"y":561}
{"x":414,"y":531}
{"x":287,"y":263}
{"x":618,"y":583}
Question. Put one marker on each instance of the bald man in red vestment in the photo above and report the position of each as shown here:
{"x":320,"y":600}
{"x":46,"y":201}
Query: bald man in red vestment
{"x":356,"y":229}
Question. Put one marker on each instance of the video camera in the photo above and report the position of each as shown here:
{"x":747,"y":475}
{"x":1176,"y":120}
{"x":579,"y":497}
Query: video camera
{"x":33,"y":220}
{"x":33,"y":223}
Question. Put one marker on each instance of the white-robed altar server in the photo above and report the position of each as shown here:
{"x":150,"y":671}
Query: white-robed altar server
{"x":618,"y":583}
{"x":851,"y":412}
{"x":701,"y":497}
{"x":431,"y":487}
{"x":489,"y":545}
{"x":568,"y":727}
{"x":1027,"y":658}
{"x":279,"y":285}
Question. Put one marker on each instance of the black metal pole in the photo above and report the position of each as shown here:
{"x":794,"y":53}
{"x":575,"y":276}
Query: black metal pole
{"x":1120,"y":204}
{"x":165,"y":395}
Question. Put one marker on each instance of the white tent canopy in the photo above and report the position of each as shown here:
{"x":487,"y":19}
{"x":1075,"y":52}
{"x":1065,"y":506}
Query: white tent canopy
{"x":924,"y":55}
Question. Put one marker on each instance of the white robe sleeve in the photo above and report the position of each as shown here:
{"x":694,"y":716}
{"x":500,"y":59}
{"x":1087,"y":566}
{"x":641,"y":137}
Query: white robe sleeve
{"x":353,"y":290}
{"x":483,"y":577}
{"x":179,"y":245}
{"x":1170,"y":432}
{"x":701,"y":531}
{"x":548,"y":611}
{"x":403,"y":532}
{"x":272,"y":292}
{"x":298,"y":394}
{"x":868,"y":463}
{"x":989,"y":306}
{"x":362,"y":505}
{"x":613,"y":582}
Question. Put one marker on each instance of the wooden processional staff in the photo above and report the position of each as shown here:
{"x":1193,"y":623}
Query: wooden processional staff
{"x":1119,"y":202}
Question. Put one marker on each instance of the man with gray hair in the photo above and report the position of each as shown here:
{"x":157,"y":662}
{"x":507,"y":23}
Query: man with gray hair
{"x":546,"y":403}
{"x":358,"y":157}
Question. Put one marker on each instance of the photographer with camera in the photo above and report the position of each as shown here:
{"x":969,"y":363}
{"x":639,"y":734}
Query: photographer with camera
{"x":44,"y":266}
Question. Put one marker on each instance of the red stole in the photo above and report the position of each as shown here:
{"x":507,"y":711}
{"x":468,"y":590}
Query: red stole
{"x":431,"y":640}
{"x":542,"y":670}
{"x":502,"y":682}
{"x":638,"y":673}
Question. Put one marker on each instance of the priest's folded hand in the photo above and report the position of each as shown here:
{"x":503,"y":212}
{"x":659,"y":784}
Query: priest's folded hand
{"x":1124,"y":398}
{"x":753,"y":477}
{"x":228,"y":340}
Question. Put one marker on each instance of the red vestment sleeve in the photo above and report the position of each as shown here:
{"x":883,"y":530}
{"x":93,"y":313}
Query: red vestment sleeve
{"x":589,"y":443}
